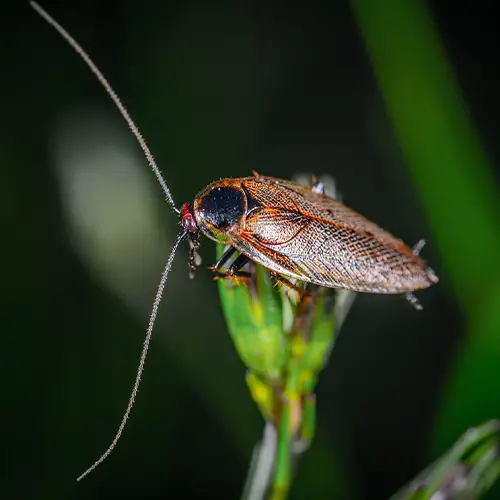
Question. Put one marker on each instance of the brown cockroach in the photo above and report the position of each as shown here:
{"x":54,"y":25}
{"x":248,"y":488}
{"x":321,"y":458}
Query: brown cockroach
{"x":293,"y":230}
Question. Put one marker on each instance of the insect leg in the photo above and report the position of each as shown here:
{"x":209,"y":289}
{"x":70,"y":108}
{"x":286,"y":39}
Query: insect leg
{"x":238,"y":263}
{"x":233,"y":272}
{"x":234,"y":268}
{"x":418,"y":247}
{"x":410,"y":297}
{"x":318,"y":186}
{"x":225,"y":257}
{"x":281,"y":280}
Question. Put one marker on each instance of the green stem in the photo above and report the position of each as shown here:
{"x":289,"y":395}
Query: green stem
{"x":282,"y":473}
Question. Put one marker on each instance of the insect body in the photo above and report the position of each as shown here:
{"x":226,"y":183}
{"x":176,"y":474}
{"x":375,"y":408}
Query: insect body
{"x":297,"y":232}
{"x":292,"y":230}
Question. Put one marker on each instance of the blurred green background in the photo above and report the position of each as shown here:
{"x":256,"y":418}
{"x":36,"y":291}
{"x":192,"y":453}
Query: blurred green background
{"x":397,"y":100}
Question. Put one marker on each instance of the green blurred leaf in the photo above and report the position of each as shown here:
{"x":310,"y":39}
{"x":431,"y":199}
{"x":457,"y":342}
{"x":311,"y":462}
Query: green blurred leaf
{"x":456,"y":187}
{"x":467,"y":471}
{"x":449,"y":166}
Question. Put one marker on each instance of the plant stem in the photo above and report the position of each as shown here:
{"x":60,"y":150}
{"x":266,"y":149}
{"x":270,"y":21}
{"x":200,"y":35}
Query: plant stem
{"x":262,"y":465}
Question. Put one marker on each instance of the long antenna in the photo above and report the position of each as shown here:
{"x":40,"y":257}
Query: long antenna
{"x":107,"y":87}
{"x":163,"y":184}
{"x":140,"y":369}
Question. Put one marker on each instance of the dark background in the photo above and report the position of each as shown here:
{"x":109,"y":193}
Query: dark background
{"x":217,"y":90}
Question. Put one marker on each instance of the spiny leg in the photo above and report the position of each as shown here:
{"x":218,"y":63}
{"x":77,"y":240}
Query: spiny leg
{"x":318,"y":186}
{"x":234,"y":268}
{"x":418,"y":247}
{"x":234,"y":271}
{"x":281,"y":280}
{"x":410,"y":297}
{"x":238,"y":263}
{"x":225,"y":257}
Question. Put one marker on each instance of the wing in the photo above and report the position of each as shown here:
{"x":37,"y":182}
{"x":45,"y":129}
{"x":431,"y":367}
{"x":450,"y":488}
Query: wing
{"x":313,"y":238}
{"x":287,"y":195}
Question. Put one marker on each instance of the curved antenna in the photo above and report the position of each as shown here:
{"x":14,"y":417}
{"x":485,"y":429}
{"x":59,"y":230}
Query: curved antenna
{"x":140,"y":369}
{"x":107,"y":87}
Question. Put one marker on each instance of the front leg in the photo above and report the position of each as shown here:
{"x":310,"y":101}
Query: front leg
{"x":234,"y":270}
{"x":225,"y":257}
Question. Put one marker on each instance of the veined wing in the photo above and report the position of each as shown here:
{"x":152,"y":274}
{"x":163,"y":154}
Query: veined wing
{"x":294,"y":197}
{"x":325,"y":252}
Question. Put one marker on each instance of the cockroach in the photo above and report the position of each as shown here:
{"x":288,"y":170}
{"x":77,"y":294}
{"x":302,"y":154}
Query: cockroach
{"x":293,"y":230}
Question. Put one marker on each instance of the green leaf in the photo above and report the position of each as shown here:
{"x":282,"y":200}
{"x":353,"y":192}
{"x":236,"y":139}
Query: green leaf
{"x":255,"y":323}
{"x":467,"y":471}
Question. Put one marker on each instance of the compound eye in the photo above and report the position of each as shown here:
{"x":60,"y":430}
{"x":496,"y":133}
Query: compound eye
{"x":222,"y":207}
